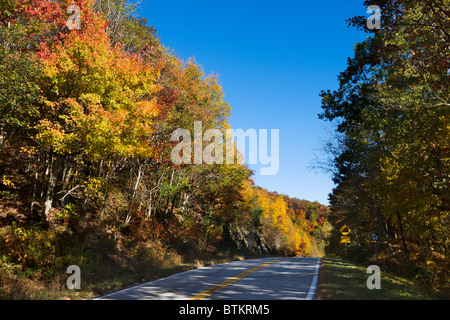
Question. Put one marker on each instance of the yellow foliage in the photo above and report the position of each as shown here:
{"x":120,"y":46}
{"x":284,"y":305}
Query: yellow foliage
{"x":7,"y":182}
{"x":277,"y":221}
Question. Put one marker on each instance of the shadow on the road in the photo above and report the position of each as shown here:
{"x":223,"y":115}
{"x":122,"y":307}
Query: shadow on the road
{"x":288,"y":279}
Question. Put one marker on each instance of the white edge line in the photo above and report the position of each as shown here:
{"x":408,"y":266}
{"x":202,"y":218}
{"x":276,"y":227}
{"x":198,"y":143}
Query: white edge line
{"x":312,"y":289}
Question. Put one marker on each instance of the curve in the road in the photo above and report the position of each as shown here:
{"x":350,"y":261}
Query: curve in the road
{"x":256,"y":279}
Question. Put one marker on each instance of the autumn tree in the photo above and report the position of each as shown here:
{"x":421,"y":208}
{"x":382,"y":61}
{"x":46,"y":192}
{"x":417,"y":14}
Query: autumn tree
{"x":392,"y":113}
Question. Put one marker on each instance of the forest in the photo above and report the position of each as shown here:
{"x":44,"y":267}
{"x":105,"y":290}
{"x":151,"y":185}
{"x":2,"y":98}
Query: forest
{"x":87,"y":109}
{"x":390,"y":151}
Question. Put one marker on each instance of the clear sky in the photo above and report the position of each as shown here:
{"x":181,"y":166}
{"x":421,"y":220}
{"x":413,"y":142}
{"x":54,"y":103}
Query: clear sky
{"x":273,"y":58}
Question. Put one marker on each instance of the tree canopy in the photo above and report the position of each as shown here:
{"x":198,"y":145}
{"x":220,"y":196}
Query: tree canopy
{"x":391,"y":155}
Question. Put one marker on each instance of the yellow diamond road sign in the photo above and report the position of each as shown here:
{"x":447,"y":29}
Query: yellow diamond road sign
{"x":345,"y":230}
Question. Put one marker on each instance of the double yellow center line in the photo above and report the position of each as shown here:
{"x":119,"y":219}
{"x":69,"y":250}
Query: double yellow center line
{"x":226,"y":283}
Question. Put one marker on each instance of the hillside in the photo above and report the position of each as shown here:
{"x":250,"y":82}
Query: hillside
{"x":86,"y":159}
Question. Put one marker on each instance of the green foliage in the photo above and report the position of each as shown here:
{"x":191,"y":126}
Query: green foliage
{"x":32,"y":248}
{"x":18,"y":73}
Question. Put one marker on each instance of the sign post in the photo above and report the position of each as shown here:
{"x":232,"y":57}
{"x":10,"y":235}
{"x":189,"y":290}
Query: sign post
{"x":345,"y":230}
{"x":374,"y":238}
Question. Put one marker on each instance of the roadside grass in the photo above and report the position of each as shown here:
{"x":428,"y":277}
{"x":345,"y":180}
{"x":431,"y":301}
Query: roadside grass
{"x":344,"y":280}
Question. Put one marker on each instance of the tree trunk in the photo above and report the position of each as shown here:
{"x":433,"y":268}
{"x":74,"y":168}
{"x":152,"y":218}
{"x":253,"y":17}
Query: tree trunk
{"x":402,"y":233}
{"x":105,"y":204}
{"x":173,"y":203}
{"x":35,"y":185}
{"x":83,"y":213}
{"x":50,"y":186}
{"x":166,"y":210}
{"x":382,"y":224}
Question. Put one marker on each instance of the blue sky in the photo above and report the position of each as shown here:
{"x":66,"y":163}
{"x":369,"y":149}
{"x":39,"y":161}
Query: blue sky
{"x":273,"y":58}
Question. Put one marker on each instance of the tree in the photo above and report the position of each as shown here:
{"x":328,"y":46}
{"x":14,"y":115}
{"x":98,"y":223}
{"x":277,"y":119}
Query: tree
{"x":392,"y":113}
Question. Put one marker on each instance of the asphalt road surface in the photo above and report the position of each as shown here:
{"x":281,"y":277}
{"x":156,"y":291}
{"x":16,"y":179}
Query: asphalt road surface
{"x":256,"y":279}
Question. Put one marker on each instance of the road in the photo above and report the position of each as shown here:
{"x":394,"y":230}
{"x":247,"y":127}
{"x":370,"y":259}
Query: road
{"x":256,"y":279}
